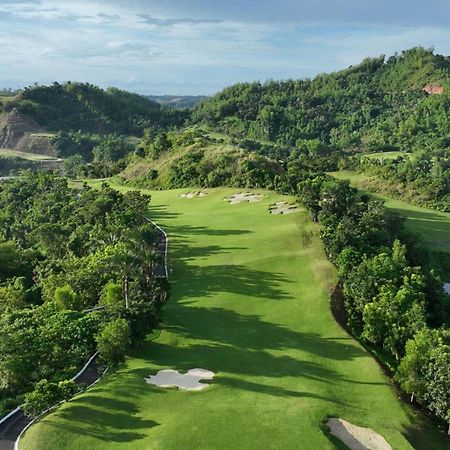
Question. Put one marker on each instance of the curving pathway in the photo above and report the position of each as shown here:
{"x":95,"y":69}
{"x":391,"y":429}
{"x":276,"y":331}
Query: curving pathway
{"x":14,"y":424}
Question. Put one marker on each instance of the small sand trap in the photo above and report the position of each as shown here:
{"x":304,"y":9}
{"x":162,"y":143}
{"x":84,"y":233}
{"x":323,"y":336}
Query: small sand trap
{"x":356,"y":438}
{"x":283,"y":208}
{"x":189,"y":381}
{"x":244,"y":197}
{"x":193,"y":194}
{"x":447,"y":288}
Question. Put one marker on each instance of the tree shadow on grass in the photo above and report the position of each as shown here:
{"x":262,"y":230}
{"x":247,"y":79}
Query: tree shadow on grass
{"x":207,"y":281}
{"x":186,"y":230}
{"x":105,"y":419}
{"x":426,"y":434}
{"x":227,"y":327}
{"x":160,"y":212}
{"x":273,"y":390}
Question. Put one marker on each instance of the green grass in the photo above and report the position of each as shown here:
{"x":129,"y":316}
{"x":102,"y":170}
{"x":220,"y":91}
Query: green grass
{"x":433,"y":226}
{"x":8,"y":153}
{"x":250,"y":302}
{"x":5,"y":99}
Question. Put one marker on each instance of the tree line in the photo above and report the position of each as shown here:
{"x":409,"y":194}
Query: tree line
{"x":63,"y":251}
{"x":392,"y":299}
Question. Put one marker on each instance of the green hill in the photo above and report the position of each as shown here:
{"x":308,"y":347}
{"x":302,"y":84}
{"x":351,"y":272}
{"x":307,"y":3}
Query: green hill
{"x":83,"y":106}
{"x":379,"y":104}
{"x":193,"y":158}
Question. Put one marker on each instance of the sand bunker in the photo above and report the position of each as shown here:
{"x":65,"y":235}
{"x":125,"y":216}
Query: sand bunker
{"x":189,"y":381}
{"x":244,"y":197}
{"x":283,"y":208}
{"x":193,"y":194}
{"x":356,"y":438}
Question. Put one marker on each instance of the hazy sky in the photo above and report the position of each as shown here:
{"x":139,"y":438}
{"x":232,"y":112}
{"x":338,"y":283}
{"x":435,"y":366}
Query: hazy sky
{"x":200,"y":46}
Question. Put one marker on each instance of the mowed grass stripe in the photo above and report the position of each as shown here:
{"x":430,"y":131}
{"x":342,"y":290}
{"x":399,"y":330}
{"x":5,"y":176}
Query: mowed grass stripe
{"x":249,"y":302}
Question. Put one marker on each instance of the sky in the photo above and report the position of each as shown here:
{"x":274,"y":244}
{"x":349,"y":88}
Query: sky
{"x":196,"y":47}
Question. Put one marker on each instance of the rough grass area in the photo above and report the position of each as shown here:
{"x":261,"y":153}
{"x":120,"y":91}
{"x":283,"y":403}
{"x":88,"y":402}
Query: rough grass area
{"x":388,"y":155}
{"x":433,"y":226}
{"x":6,"y":152}
{"x":250,"y":303}
{"x":5,"y":99}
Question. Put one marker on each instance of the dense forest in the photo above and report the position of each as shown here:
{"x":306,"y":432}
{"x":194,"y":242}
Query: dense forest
{"x":62,"y":252}
{"x":379,"y":104}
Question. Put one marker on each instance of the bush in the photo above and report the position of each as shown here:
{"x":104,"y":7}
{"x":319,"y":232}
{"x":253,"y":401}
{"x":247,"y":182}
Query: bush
{"x":67,"y":298}
{"x":113,"y":341}
{"x":47,"y":394}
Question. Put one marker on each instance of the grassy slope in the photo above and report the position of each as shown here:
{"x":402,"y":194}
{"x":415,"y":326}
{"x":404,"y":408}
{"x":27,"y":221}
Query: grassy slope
{"x":249,"y":302}
{"x":387,"y":155}
{"x":141,"y":166}
{"x":433,"y":226}
{"x":23,"y":155}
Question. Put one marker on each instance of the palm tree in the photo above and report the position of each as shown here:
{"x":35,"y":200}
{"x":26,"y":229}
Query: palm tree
{"x":126,"y":265}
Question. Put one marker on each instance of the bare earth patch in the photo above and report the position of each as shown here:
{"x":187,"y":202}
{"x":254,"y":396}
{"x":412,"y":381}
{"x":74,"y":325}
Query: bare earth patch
{"x":193,"y":194}
{"x":189,"y":381}
{"x":244,"y":197}
{"x":356,"y":438}
{"x":283,"y":208}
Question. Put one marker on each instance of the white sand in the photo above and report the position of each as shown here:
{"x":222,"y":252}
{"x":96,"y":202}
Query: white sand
{"x":193,"y":194}
{"x":283,"y":208}
{"x":189,"y":381}
{"x":244,"y":197}
{"x":356,"y":438}
{"x":447,"y":287}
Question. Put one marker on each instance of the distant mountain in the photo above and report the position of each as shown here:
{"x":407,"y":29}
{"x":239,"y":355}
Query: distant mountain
{"x":177,"y":101}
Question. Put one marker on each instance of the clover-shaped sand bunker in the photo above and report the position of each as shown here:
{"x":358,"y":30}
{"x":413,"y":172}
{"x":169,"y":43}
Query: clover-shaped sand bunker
{"x":193,"y":194}
{"x":244,"y":197}
{"x":189,"y":381}
{"x":356,"y":438}
{"x":283,"y":208}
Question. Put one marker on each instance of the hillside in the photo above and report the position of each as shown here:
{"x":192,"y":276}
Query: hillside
{"x":30,"y":120}
{"x":201,"y":161}
{"x":83,"y":106}
{"x":396,"y":103}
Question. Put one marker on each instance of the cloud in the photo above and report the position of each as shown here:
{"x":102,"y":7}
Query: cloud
{"x":201,"y":46}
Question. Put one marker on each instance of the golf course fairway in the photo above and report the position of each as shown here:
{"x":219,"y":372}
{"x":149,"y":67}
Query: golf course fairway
{"x":249,"y":302}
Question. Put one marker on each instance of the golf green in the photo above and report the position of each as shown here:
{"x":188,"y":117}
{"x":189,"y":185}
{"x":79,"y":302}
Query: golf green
{"x":249,"y":302}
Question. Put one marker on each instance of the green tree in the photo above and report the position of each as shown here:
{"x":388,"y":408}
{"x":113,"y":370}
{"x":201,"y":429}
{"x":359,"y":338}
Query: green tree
{"x":67,"y":298}
{"x":113,"y":341}
{"x":73,"y":166}
{"x":47,"y":394}
{"x":410,"y":372}
{"x":113,"y":295}
{"x":395,"y":315}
